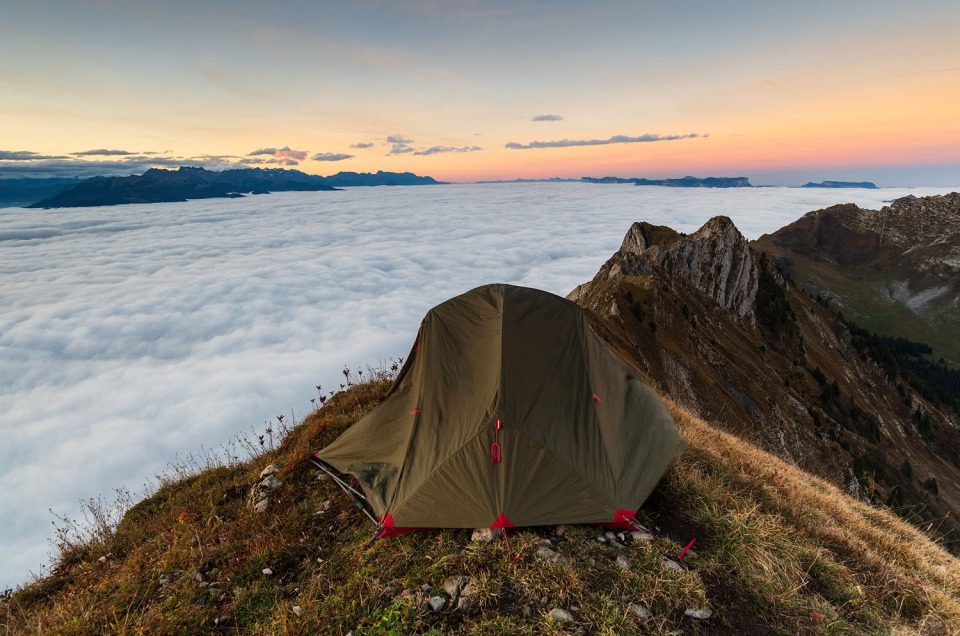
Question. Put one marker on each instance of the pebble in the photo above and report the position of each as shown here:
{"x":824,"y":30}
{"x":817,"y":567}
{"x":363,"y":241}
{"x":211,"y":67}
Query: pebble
{"x":436,"y":603}
{"x":297,"y":610}
{"x":623,"y":563}
{"x":560,"y":615}
{"x":670,"y":564}
{"x":640,"y":611}
{"x":699,"y":613}
{"x":547,"y":554}
{"x":267,"y":571}
{"x":485,"y":535}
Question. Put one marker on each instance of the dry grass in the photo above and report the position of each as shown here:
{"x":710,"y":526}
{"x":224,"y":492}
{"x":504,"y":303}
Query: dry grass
{"x":778,"y":551}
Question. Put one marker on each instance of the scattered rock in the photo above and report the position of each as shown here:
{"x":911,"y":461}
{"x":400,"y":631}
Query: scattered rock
{"x":223,"y":620}
{"x":638,"y":535}
{"x":549,"y":555}
{"x":623,"y":563}
{"x":168,"y":577}
{"x":699,"y":613}
{"x":261,"y":505}
{"x":297,"y":610}
{"x":454,"y":584}
{"x":102,"y":559}
{"x":560,"y":615}
{"x":467,"y":600}
{"x":816,"y":617}
{"x":486,"y":535}
{"x":670,"y":564}
{"x":267,"y":572}
{"x":426,"y":588}
{"x":259,"y":499}
{"x":436,"y":603}
{"x":198,"y":576}
{"x":269,"y":470}
{"x":640,"y":611}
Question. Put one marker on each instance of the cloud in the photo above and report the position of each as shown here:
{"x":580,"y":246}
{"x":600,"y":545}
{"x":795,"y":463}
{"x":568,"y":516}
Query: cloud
{"x":546,"y":118}
{"x":33,"y":165}
{"x":102,"y":152}
{"x":400,"y":144}
{"x":438,"y":149}
{"x":25,"y":155}
{"x":130,"y":338}
{"x":280,"y":153}
{"x":361,"y":144}
{"x":330,"y":156}
{"x":616,"y":139}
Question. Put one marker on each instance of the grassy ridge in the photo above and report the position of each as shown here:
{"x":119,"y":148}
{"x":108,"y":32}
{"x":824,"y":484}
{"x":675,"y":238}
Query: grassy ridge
{"x":777,"y":551}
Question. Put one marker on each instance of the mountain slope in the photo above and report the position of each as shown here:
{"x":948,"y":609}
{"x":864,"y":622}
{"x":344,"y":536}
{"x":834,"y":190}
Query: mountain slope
{"x":777,"y":552}
{"x":895,"y":271}
{"x":718,"y":328}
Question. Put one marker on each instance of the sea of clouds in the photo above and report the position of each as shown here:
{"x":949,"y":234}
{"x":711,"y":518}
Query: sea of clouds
{"x":131,"y":335}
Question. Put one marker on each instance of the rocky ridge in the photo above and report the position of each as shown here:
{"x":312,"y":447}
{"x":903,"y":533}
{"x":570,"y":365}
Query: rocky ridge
{"x":721,"y":330}
{"x":896,"y":270}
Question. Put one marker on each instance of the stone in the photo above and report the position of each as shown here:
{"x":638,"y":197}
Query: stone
{"x":486,"y":535}
{"x":168,"y":577}
{"x":561,"y":530}
{"x":623,"y":563}
{"x":454,"y":584}
{"x":267,"y":572}
{"x":102,"y":559}
{"x":198,"y":576}
{"x":638,"y":535}
{"x":670,"y":564}
{"x":297,"y":610}
{"x":699,"y":613}
{"x":560,"y":615}
{"x":640,"y":611}
{"x":436,"y":603}
{"x":268,"y":483}
{"x":269,"y":470}
{"x":261,"y":505}
{"x":550,"y":556}
{"x":467,"y":600}
{"x":426,"y":588}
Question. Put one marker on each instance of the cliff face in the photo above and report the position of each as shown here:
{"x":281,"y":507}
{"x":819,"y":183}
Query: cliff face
{"x":718,"y":327}
{"x":715,"y":260}
{"x":896,"y":270}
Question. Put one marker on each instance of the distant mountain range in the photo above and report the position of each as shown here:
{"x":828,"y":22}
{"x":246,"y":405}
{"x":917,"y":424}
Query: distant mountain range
{"x":157,"y":185}
{"x":869,"y":185}
{"x":682,"y":182}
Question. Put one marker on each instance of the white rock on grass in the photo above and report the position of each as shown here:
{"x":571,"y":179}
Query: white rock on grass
{"x":486,"y":535}
{"x":547,"y":554}
{"x":699,"y":613}
{"x":640,"y":611}
{"x":454,"y":584}
{"x":637,"y":535}
{"x":436,"y":603}
{"x":297,"y":610}
{"x":671,"y":564}
{"x":269,"y":470}
{"x":623,"y":563}
{"x":560,"y":615}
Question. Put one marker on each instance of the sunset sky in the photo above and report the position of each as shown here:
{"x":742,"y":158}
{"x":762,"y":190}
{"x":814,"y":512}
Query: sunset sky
{"x":462,"y":91}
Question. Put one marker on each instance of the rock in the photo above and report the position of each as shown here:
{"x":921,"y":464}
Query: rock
{"x":168,"y":577}
{"x":670,"y":564}
{"x":269,"y":470}
{"x":560,"y":615}
{"x":454,"y":584}
{"x":102,"y":559}
{"x":297,"y":610}
{"x":623,"y":563}
{"x":467,"y":600}
{"x":486,"y":535}
{"x":640,"y":611}
{"x":261,"y":505}
{"x":436,"y":603}
{"x":198,"y":576}
{"x":268,"y":484}
{"x":638,"y":535}
{"x":267,"y":572}
{"x":699,"y":613}
{"x":561,"y":530}
{"x":426,"y":588}
{"x":549,"y":555}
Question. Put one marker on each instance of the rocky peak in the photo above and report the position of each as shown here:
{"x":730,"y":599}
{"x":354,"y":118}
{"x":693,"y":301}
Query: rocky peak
{"x":716,"y":260}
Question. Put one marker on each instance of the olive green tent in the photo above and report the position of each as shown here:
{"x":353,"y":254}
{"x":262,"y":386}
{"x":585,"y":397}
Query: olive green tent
{"x":510,"y":411}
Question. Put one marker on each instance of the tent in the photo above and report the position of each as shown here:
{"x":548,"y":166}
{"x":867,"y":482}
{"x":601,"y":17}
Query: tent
{"x":509,"y":411}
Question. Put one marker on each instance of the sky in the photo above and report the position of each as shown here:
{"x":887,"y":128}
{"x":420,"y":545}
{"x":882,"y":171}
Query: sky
{"x":467,"y":90}
{"x":136,"y":336}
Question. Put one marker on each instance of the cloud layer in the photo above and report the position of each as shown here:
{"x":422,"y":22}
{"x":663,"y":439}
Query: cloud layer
{"x":134,"y":334}
{"x":546,"y":118}
{"x":616,"y":139}
{"x":433,"y":150}
{"x":330,"y":156}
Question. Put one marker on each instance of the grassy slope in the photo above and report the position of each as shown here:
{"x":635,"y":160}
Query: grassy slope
{"x":778,"y":551}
